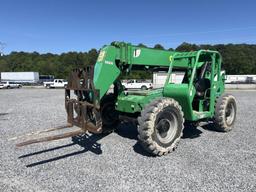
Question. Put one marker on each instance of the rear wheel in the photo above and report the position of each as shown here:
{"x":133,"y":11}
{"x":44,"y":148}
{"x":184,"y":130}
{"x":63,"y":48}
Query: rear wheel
{"x":143,"y":87}
{"x":109,"y":116}
{"x":225,"y":113}
{"x":160,"y":126}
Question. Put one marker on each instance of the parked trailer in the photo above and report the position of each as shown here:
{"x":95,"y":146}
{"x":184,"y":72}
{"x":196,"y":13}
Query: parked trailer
{"x":159,"y":78}
{"x":46,"y":78}
{"x":240,"y":79}
{"x":20,"y":77}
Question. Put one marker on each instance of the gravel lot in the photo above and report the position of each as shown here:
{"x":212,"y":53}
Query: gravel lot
{"x":204,"y":161}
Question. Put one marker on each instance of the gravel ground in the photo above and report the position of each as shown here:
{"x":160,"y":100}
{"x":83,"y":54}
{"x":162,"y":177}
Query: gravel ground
{"x":204,"y":161}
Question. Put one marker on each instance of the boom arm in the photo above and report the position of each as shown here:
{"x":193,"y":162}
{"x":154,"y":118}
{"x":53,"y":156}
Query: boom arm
{"x":113,"y":58}
{"x":122,"y":56}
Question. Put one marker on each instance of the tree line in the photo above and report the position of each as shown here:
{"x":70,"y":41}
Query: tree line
{"x":237,"y":59}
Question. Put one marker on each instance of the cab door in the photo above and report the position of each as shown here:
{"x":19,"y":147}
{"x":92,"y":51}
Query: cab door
{"x":60,"y":83}
{"x":206,"y":86}
{"x":130,"y":84}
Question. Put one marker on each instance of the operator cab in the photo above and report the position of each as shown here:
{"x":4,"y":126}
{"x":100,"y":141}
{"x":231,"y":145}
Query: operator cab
{"x":205,"y":76}
{"x":202,"y":83}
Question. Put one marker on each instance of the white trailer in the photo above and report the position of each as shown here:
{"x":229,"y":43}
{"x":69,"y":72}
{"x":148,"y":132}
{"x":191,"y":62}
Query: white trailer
{"x":159,"y":78}
{"x":240,"y":78}
{"x":20,"y":77}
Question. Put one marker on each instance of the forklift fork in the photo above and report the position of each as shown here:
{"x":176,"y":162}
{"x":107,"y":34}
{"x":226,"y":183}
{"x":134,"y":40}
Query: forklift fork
{"x":82,"y":111}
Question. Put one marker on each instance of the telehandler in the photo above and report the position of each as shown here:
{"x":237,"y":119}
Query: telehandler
{"x":159,"y":113}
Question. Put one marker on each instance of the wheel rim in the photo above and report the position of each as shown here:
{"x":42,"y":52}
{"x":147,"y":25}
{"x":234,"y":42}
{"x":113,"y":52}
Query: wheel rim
{"x":230,"y":113}
{"x":166,"y":129}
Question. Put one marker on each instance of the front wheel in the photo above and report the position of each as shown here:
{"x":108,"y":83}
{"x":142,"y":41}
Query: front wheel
{"x":109,"y":115}
{"x":225,"y":113}
{"x":160,"y":126}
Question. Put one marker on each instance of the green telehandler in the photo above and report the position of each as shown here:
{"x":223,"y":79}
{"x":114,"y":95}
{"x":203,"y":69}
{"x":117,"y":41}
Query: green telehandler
{"x":160,"y":114}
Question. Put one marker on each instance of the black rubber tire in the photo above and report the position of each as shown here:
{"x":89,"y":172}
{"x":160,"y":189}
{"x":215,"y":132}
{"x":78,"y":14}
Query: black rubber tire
{"x":149,"y":120}
{"x":109,"y":115}
{"x":143,"y":87}
{"x":220,"y":122}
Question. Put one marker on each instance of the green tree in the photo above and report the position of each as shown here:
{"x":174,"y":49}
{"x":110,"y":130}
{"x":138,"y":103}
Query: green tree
{"x":237,"y":59}
{"x":4,"y":65}
{"x":187,"y":47}
{"x":158,"y":46}
{"x":92,"y":57}
{"x":142,"y":45}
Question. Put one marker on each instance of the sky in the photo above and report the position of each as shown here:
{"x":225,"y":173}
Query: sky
{"x":59,"y":26}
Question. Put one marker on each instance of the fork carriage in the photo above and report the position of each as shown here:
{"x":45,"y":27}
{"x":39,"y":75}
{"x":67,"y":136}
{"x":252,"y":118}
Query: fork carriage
{"x":83,"y":110}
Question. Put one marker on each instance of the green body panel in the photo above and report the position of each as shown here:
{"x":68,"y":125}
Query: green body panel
{"x":185,"y":96}
{"x":182,"y":94}
{"x":135,"y":101}
{"x":105,"y":70}
{"x":115,"y":58}
{"x":148,"y":57}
